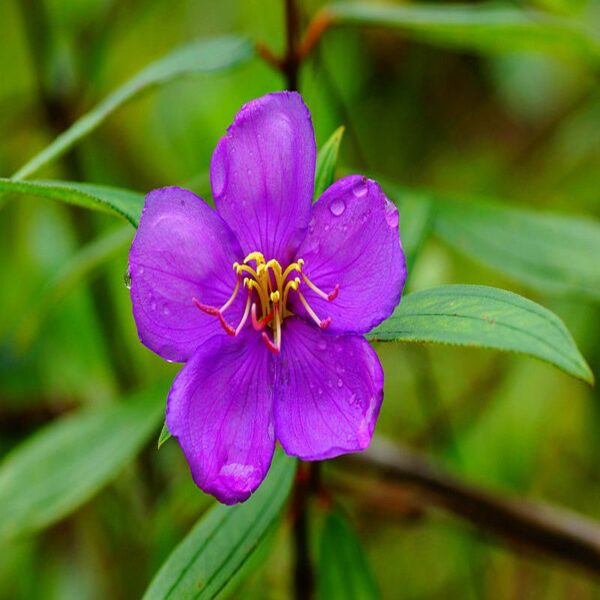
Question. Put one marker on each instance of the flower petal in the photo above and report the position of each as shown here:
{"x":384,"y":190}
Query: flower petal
{"x":182,"y":250}
{"x":328,"y":392}
{"x":220,"y":409}
{"x":262,"y":174}
{"x":353,"y":241}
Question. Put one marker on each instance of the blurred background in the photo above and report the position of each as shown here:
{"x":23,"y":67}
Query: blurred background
{"x":519,"y":128}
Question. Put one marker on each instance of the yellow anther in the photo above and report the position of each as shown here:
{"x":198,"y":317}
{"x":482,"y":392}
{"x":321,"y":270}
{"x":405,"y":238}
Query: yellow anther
{"x":297,"y":266}
{"x":255,"y":256}
{"x":272,"y":285}
{"x":290,"y":285}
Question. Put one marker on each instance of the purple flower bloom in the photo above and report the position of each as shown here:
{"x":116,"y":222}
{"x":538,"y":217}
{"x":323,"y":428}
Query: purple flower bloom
{"x":266,"y":299}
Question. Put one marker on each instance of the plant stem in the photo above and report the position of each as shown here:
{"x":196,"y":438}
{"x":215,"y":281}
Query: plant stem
{"x":303,"y":583}
{"x":525,"y":524}
{"x":291,"y":64}
{"x":307,"y":476}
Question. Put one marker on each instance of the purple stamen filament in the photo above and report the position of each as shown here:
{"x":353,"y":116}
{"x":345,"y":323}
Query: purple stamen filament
{"x":272,"y":286}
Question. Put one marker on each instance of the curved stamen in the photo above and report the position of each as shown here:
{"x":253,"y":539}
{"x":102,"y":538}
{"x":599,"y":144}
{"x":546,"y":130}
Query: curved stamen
{"x":270,"y":283}
{"x":329,"y":297}
{"x":269,"y":344}
{"x":323,"y":324}
{"x":290,"y":285}
{"x":246,"y":313}
{"x":232,"y":297}
{"x":277,"y":336}
{"x":258,"y":325}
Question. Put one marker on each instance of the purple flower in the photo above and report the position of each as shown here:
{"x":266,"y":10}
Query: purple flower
{"x":266,"y":299}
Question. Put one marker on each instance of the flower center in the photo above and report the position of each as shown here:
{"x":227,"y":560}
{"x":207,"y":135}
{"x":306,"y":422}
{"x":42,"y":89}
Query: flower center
{"x":269,"y":287}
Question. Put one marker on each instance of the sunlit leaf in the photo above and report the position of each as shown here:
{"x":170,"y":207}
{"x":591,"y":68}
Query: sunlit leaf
{"x":344,"y":571}
{"x":485,"y":317}
{"x":124,"y":203}
{"x":200,"y":56}
{"x":66,"y":463}
{"x":326,"y":162}
{"x":223,"y":540}
{"x":487,"y":27}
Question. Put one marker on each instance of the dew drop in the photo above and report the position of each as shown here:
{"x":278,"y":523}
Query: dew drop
{"x":218,"y":176}
{"x":127,"y":279}
{"x":391,"y":214}
{"x":322,"y":345}
{"x":340,"y":383}
{"x":361,"y":188}
{"x":141,"y":271}
{"x":166,"y":311}
{"x":337,"y":207}
{"x":153,"y":305}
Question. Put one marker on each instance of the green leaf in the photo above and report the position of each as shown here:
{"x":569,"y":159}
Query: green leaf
{"x":67,"y":462}
{"x":487,"y":27}
{"x":87,"y":260}
{"x":124,"y":203}
{"x":326,"y":162}
{"x":344,"y":571}
{"x":223,"y":540}
{"x":200,"y":56}
{"x":549,"y":252}
{"x":486,"y":317}
{"x":165,"y":434}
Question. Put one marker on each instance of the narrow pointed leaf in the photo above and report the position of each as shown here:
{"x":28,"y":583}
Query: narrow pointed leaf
{"x":326,"y":162}
{"x":200,"y":56}
{"x":486,"y":317}
{"x":66,"y":463}
{"x":344,"y":572}
{"x":117,"y":201}
{"x":488,"y":27}
{"x":223,"y":540}
{"x":165,"y":434}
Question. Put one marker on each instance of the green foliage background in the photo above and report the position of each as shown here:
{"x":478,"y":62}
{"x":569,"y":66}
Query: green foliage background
{"x":481,"y":120}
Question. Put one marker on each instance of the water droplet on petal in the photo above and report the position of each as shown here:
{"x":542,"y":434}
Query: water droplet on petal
{"x":337,"y":207}
{"x":166,"y":310}
{"x":153,"y":305}
{"x":340,"y":383}
{"x":218,"y":176}
{"x":322,"y":345}
{"x":360,"y":188}
{"x":141,"y":271}
{"x":391,"y":214}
